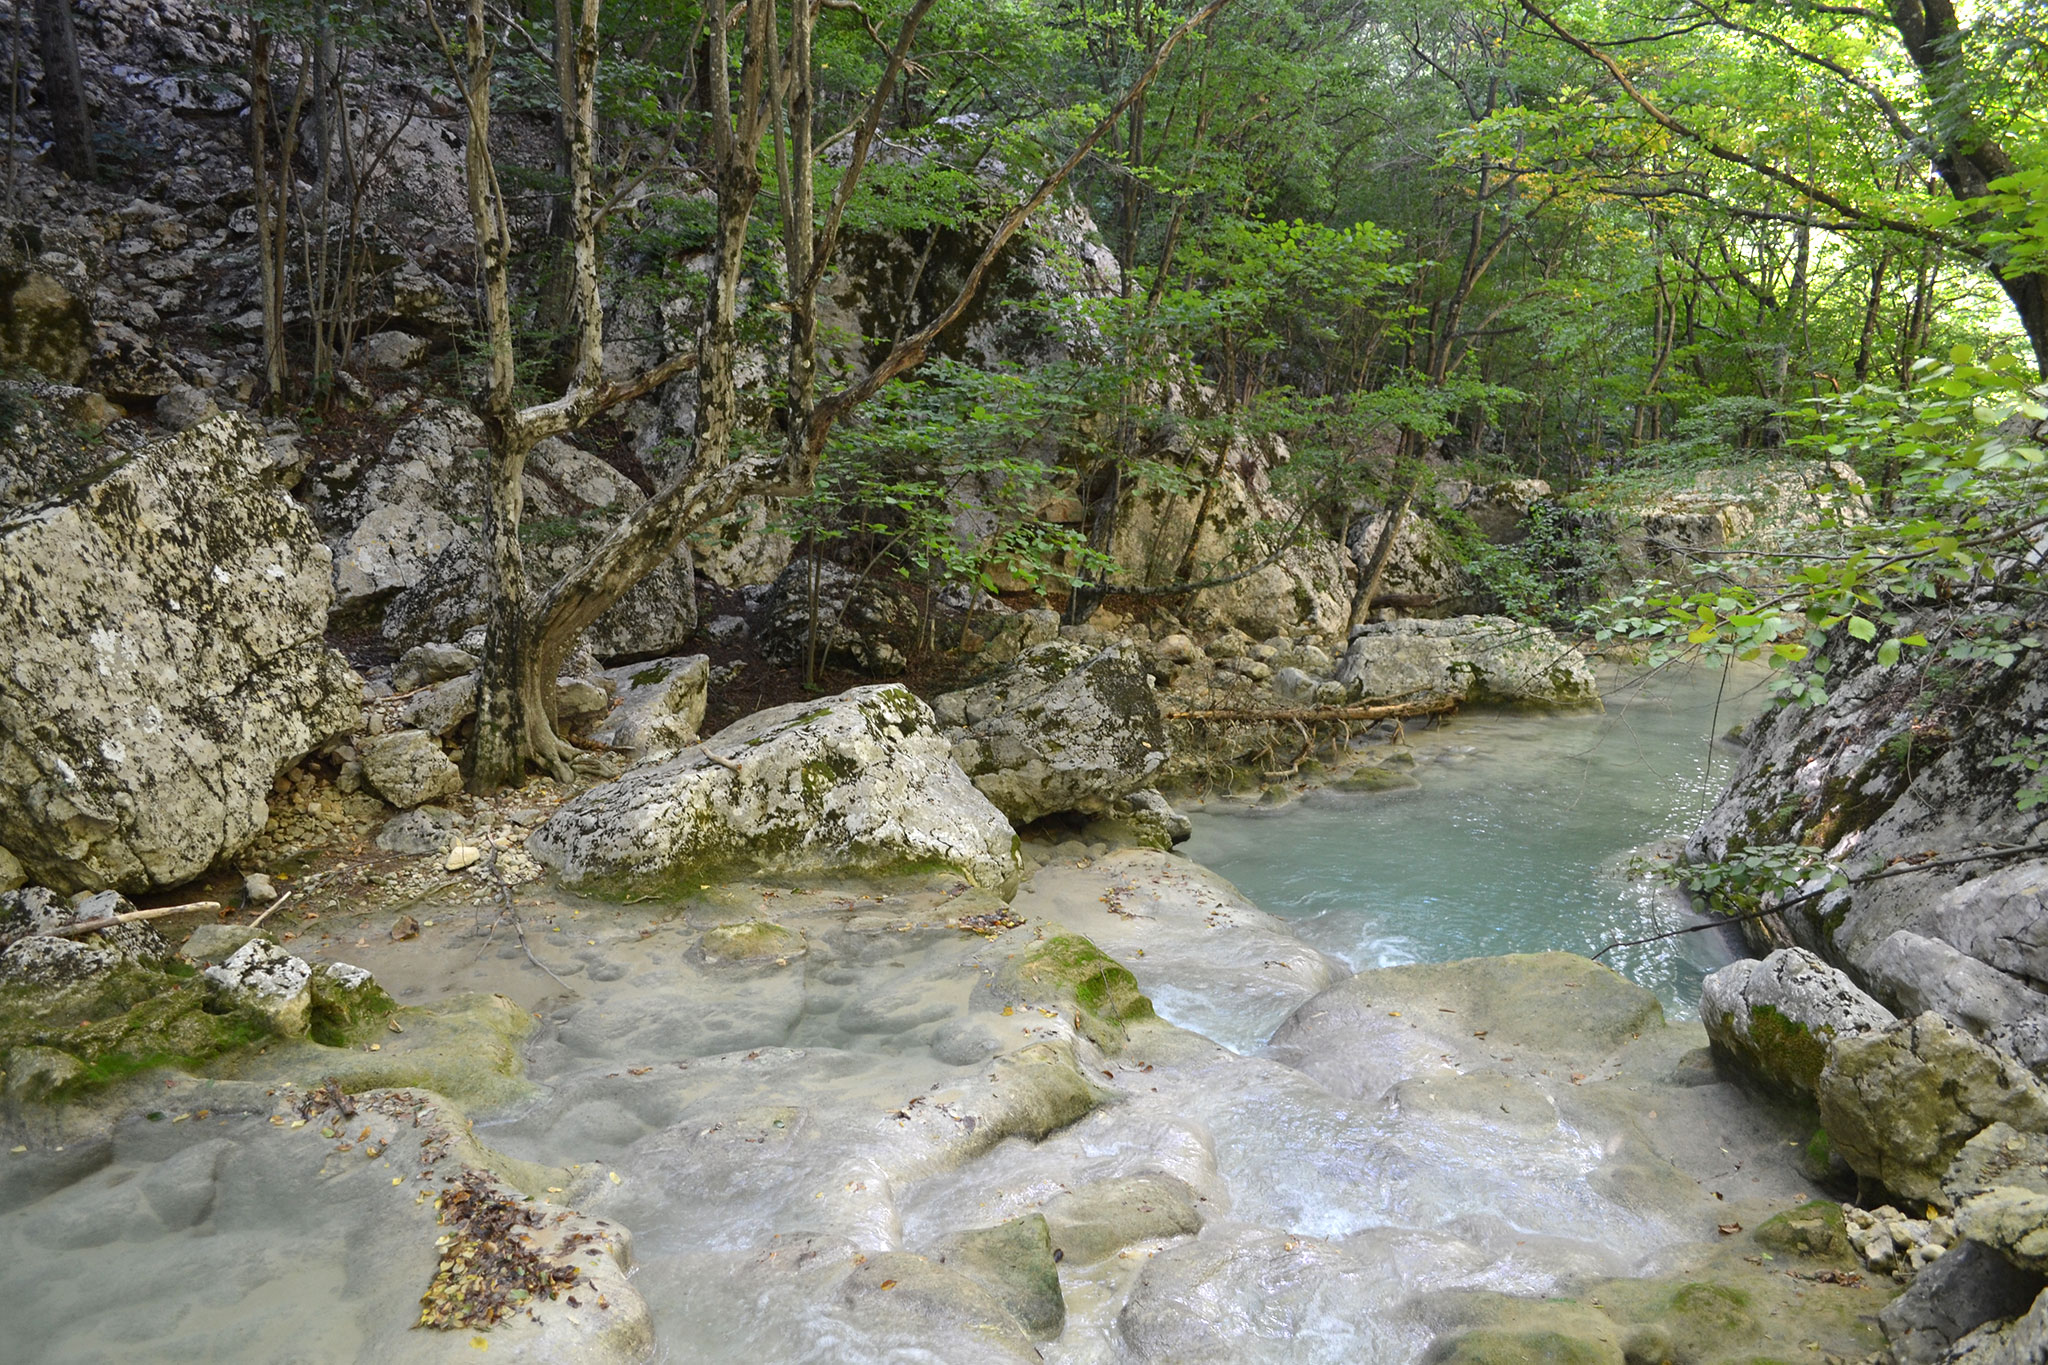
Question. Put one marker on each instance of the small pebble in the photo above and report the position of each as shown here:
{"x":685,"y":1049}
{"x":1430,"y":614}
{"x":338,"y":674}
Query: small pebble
{"x":461,"y":856}
{"x":258,"y":889}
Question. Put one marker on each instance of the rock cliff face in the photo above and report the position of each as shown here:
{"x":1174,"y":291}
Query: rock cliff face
{"x":1902,"y":766}
{"x":162,"y":633}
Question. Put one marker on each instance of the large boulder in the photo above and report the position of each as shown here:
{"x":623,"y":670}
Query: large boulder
{"x":162,"y":663}
{"x":1484,"y":659}
{"x":1777,"y":1018}
{"x":1922,"y":974}
{"x":862,"y":782}
{"x":1899,"y":1105}
{"x":1961,"y":1291}
{"x":1067,"y":728}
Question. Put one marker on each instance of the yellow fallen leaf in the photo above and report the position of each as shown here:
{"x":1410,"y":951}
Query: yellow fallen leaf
{"x":17,"y":1150}
{"x":615,"y":1177}
{"x":398,"y":1180}
{"x":480,"y":1343}
{"x":298,"y":1123}
{"x":554,"y":1189}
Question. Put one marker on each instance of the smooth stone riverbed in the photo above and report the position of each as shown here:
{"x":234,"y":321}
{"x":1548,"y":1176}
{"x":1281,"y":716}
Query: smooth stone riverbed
{"x":1520,"y":837}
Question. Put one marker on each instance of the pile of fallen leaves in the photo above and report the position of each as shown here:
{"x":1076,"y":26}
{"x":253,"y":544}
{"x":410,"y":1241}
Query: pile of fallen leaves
{"x":489,"y":1269}
{"x":988,"y":924}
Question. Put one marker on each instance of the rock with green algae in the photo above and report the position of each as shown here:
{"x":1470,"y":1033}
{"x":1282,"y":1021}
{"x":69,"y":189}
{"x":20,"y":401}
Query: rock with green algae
{"x":863,"y":782}
{"x":1375,"y":777}
{"x":1899,"y":1105}
{"x":754,"y":940}
{"x":913,"y":1305}
{"x":1999,"y":1186}
{"x":1775,"y":1019}
{"x":1014,"y":1262}
{"x":1101,"y":1218}
{"x":1071,"y":970}
{"x":1813,"y":1230}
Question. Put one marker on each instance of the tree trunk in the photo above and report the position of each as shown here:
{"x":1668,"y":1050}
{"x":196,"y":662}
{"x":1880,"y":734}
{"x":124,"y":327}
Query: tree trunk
{"x":514,"y":705}
{"x":64,"y":90}
{"x":1375,"y":566}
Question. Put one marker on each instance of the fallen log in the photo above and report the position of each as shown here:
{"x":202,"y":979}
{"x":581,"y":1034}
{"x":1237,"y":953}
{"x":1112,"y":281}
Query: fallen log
{"x":93,"y":926}
{"x":1311,"y":715}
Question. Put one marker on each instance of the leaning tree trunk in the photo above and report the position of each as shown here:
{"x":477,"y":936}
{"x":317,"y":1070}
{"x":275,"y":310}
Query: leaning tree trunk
{"x":1375,"y":566}
{"x":64,"y":90}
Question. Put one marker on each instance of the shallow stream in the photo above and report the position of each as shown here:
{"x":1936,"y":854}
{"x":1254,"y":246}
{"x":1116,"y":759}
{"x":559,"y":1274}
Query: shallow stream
{"x":799,"y":1131}
{"x":1526,"y":834}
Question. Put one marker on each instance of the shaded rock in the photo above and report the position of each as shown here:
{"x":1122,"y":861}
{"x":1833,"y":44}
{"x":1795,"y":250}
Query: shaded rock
{"x":41,"y":960}
{"x":1999,"y":1184}
{"x":1900,"y":1104}
{"x":185,"y":407}
{"x":407,"y":768}
{"x":862,"y":781}
{"x":1100,"y":1219}
{"x":434,"y":662}
{"x":1893,"y":1243}
{"x":1776,"y":1018}
{"x":43,"y":326}
{"x":1067,"y":728}
{"x":1011,"y":635}
{"x":166,"y":662}
{"x":861,"y":622}
{"x":1152,"y":819}
{"x":2023,"y":1341}
{"x":1014,"y":1262}
{"x":1969,"y":1286}
{"x":1813,"y":1230}
{"x":660,"y":705}
{"x":12,"y":874}
{"x":418,"y":833}
{"x":391,"y":350}
{"x":1485,"y":659}
{"x":439,"y":710}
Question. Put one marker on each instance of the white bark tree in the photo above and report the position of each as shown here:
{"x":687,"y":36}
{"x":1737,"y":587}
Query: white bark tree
{"x":770,"y":92}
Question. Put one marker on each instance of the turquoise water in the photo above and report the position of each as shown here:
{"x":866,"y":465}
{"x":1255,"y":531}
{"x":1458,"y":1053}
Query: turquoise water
{"x":1519,"y":839}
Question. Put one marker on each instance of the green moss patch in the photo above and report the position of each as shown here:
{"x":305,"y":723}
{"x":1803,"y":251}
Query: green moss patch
{"x":1104,"y":995}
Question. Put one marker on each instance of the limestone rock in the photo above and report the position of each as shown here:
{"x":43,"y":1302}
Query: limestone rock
{"x":2001,"y":919}
{"x":1484,"y":659}
{"x":407,"y":768}
{"x":165,"y":661}
{"x":660,"y":705}
{"x":753,"y":940}
{"x":1900,"y":1104}
{"x":417,"y":833}
{"x":1924,"y":974}
{"x":1014,"y":1262}
{"x":184,"y":408}
{"x":1776,"y":1018}
{"x":1892,"y":1243}
{"x":436,"y":661}
{"x":1100,"y":1219}
{"x":911,"y":1306}
{"x":2023,"y":1341}
{"x":391,"y":350}
{"x":1999,"y":1184}
{"x":1065,"y":729}
{"x":265,"y":980}
{"x":12,"y":874}
{"x":862,"y":781}
{"x":41,"y":960}
{"x":1967,"y":1287}
{"x":216,"y":943}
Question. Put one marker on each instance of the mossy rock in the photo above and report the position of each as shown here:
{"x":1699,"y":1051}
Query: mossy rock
{"x":1013,"y":1261}
{"x":1373,"y":778}
{"x":131,"y":1020}
{"x":1814,"y":1230}
{"x":467,"y":1047}
{"x":1103,"y":993}
{"x":754,"y":940}
{"x":1782,"y":1047}
{"x":1489,"y":1347}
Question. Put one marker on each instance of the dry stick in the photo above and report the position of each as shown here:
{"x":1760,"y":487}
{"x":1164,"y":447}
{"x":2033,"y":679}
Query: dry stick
{"x":275,"y":906}
{"x":721,"y":762}
{"x":93,"y":926}
{"x":1899,"y":870}
{"x":506,"y":912}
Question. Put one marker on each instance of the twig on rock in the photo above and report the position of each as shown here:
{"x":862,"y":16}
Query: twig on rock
{"x":275,"y":906}
{"x":725,"y":763}
{"x":93,"y":926}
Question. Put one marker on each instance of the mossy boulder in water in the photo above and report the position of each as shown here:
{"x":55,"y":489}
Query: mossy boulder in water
{"x":1069,"y":969}
{"x":1775,"y":1019}
{"x":754,"y":940}
{"x":1014,"y":1262}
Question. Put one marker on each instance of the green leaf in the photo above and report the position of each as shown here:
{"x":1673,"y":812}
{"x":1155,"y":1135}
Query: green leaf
{"x":1862,"y":629}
